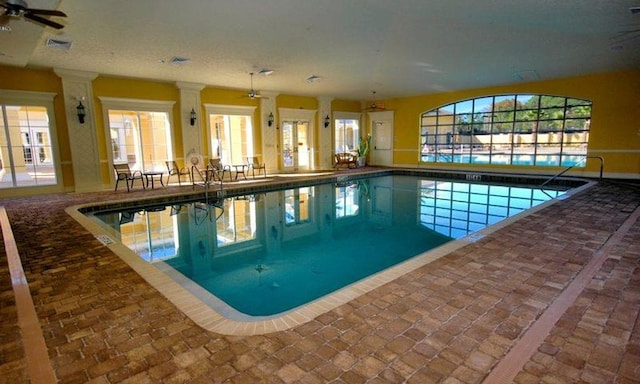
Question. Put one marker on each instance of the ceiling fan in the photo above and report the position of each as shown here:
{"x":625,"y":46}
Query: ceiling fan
{"x":252,"y":94}
{"x":18,"y":8}
{"x":375,"y":106}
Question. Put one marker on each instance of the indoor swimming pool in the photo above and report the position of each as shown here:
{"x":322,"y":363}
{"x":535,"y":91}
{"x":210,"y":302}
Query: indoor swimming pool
{"x":261,"y":255}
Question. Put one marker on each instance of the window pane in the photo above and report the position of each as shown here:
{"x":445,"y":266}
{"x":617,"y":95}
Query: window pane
{"x":464,"y":107}
{"x":527,"y":102}
{"x":527,"y":115}
{"x":484,"y":104}
{"x":550,"y":125}
{"x":578,"y":111}
{"x":552,"y":101}
{"x":574,"y":102}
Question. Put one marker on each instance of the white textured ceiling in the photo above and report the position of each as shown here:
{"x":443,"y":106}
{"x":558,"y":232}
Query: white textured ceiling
{"x":396,"y":48}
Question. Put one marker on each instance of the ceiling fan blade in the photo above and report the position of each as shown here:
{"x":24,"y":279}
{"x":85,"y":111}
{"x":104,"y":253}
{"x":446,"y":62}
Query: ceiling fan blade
{"x":46,"y":12}
{"x":44,"y":21}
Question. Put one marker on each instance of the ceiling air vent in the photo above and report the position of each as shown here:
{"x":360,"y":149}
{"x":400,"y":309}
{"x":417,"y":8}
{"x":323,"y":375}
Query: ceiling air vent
{"x":59,"y":44}
{"x":179,"y":60}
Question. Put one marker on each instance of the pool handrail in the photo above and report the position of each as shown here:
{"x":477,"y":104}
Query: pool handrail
{"x":569,"y":168}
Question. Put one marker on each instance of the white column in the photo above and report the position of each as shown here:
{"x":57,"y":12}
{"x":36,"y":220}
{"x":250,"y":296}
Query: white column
{"x":83,"y":138}
{"x":325,"y":135}
{"x":191,"y":135}
{"x":270,"y":134}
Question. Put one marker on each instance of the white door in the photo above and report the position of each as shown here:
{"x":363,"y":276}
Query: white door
{"x":381,"y":138}
{"x":296,"y":152}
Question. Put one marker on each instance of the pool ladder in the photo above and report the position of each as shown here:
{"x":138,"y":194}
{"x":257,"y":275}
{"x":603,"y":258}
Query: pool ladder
{"x":207,"y":180}
{"x":569,"y":168}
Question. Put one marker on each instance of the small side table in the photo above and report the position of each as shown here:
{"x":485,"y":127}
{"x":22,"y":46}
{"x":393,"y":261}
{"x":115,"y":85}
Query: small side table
{"x":150,"y":176}
{"x":240,"y":168}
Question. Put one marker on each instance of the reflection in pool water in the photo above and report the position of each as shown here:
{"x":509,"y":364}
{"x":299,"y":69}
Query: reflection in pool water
{"x":264,"y":254}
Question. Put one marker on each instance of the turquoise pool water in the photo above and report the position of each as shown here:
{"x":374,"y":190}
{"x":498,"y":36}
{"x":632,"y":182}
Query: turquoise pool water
{"x":268,"y":253}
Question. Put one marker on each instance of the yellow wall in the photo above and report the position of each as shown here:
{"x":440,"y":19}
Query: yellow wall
{"x":615,"y":118}
{"x":615,"y":121}
{"x":297,"y":102}
{"x":346,"y":106}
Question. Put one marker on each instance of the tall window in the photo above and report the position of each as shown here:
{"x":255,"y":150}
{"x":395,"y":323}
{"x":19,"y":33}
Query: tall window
{"x":347,"y":132}
{"x":139,"y":133}
{"x":231,"y":133}
{"x":26,"y":146}
{"x":540,"y":130}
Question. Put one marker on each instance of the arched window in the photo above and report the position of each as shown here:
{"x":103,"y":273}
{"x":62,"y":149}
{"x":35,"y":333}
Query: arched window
{"x":522,"y":129}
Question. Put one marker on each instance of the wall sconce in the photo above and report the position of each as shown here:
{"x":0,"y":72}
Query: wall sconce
{"x":192,"y":117}
{"x":81,"y":112}
{"x":327,"y":121}
{"x":270,"y":119}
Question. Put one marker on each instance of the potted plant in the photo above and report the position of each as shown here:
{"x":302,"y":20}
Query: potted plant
{"x":363,"y":150}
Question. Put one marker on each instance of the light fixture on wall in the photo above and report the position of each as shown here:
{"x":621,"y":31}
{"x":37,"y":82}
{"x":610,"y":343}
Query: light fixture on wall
{"x":270,"y":119}
{"x":327,"y":121}
{"x":192,"y":117}
{"x":81,"y":112}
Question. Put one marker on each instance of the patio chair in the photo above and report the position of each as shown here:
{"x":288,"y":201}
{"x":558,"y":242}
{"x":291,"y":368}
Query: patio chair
{"x":255,"y":164}
{"x":174,"y":170}
{"x":124,"y":173}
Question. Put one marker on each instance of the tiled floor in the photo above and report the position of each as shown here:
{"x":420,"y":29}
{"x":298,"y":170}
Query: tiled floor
{"x":452,"y":321}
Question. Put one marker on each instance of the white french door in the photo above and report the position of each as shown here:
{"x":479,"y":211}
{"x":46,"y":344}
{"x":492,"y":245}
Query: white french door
{"x":296,"y":149}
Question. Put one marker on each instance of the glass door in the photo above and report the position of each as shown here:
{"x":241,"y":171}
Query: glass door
{"x":296,"y":152}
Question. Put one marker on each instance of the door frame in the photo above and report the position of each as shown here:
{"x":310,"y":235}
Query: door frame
{"x":381,"y":156}
{"x":291,"y":114}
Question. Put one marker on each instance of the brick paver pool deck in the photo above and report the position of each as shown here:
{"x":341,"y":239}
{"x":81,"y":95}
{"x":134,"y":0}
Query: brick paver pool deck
{"x":565,"y":278}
